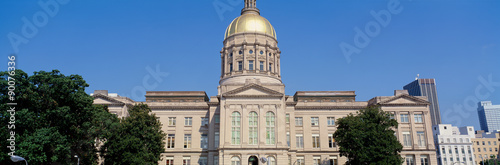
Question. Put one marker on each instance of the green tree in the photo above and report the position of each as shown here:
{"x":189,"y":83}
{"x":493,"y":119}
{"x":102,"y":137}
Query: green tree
{"x":368,"y":138}
{"x":491,"y":161}
{"x":139,"y":139}
{"x":54,"y":118}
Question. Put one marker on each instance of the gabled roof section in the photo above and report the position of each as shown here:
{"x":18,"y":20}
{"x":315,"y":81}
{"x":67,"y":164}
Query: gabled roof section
{"x":106,"y":100}
{"x":402,"y":99}
{"x":253,"y":90}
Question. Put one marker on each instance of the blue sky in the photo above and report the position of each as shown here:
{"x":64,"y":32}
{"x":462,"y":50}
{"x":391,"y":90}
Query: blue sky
{"x":115,"y":45}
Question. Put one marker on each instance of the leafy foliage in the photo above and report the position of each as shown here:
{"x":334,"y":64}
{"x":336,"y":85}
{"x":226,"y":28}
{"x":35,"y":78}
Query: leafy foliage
{"x":368,"y":138}
{"x":54,"y":119}
{"x":491,"y":161}
{"x":138,"y":140}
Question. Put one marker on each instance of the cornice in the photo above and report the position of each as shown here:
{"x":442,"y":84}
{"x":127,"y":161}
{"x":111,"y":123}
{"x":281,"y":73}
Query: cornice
{"x":329,"y":107}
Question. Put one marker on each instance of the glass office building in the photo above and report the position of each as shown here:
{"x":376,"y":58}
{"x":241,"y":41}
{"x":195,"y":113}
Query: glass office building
{"x":489,"y":116}
{"x":426,"y":87}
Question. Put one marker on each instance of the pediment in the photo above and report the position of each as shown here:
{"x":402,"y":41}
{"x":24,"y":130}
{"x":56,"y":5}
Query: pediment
{"x":404,"y":99}
{"x":105,"y":100}
{"x":253,"y":90}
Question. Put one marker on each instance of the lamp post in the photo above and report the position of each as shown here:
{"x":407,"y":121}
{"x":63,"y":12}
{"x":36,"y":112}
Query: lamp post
{"x":16,"y":158}
{"x":76,"y":156}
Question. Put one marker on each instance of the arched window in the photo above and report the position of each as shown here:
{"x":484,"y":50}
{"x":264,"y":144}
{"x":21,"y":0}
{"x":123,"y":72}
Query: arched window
{"x":252,"y":130}
{"x":235,"y":127}
{"x":235,"y":161}
{"x":271,"y":160}
{"x":270,"y":128}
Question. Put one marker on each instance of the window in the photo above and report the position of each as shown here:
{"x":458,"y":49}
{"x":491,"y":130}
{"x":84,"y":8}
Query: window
{"x":483,"y":143}
{"x":271,"y":161}
{"x":288,"y":138}
{"x":170,"y":140}
{"x":252,"y":123}
{"x":270,"y":67}
{"x":188,"y":121}
{"x":240,"y":65}
{"x":298,"y":121}
{"x":443,"y":150}
{"x":456,"y":150}
{"x":468,"y":150}
{"x":204,"y":141}
{"x":261,"y":52}
{"x":262,"y":65}
{"x":203,"y":161}
{"x":170,"y":160}
{"x":269,"y":54}
{"x":314,"y":121}
{"x":424,"y":160}
{"x":250,"y":51}
{"x":300,"y":160}
{"x":463,"y":150}
{"x":187,"y":141}
{"x":230,"y":67}
{"x":171,"y":121}
{"x":331,"y":121}
{"x":333,"y":160}
{"x":299,"y":139}
{"x":217,"y":119}
{"x":250,"y":65}
{"x":404,"y":118}
{"x":418,"y":118}
{"x":391,"y":115}
{"x":204,"y":121}
{"x":270,"y":128}
{"x":421,"y":138}
{"x":230,"y":54}
{"x":216,"y":140}
{"x":315,"y":140}
{"x":235,"y":161}
{"x":331,"y":141}
{"x":410,"y":160}
{"x":316,"y":160}
{"x":186,"y":160}
{"x":287,"y":118}
{"x":235,"y":128}
{"x":406,"y":139}
{"x":489,"y":143}
{"x":240,"y":52}
{"x":216,"y":160}
{"x":495,"y":143}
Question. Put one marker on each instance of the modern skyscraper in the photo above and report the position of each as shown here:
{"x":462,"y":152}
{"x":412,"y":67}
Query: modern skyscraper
{"x":426,"y":87}
{"x":489,"y":116}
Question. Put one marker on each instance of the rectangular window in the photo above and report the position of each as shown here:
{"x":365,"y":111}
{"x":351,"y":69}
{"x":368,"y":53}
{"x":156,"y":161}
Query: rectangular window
{"x":186,"y":160}
{"x":240,"y":65}
{"x":489,"y":142}
{"x":204,"y":121}
{"x":230,"y":67}
{"x":216,"y":140}
{"x":315,"y":140}
{"x":410,"y":160}
{"x":333,"y":160}
{"x":421,"y":138}
{"x":217,"y":119}
{"x":187,"y":141}
{"x":188,"y":121}
{"x":288,"y":138}
{"x":253,"y":129}
{"x":203,"y":161}
{"x":404,"y":118}
{"x":314,"y":121}
{"x":316,"y":160}
{"x":171,"y":121}
{"x":418,"y":118}
{"x":391,"y":115}
{"x":216,"y":160}
{"x":170,"y":160}
{"x":331,"y":121}
{"x":298,"y":121}
{"x":299,"y":139}
{"x":424,"y":160}
{"x":287,"y":118}
{"x":262,"y":65}
{"x":300,"y":160}
{"x":406,"y":139}
{"x":331,"y":141}
{"x":170,"y":140}
{"x":270,"y":67}
{"x":250,"y":65}
{"x":204,"y":141}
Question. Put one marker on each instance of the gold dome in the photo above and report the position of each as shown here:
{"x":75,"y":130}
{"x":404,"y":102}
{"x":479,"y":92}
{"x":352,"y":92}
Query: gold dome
{"x":252,"y":23}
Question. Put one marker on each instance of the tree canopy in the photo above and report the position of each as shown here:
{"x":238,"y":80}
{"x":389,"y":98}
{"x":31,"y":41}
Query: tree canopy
{"x":54,"y":119}
{"x":368,"y":138}
{"x":139,"y":139}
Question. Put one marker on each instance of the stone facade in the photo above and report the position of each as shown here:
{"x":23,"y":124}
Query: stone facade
{"x":251,"y":120}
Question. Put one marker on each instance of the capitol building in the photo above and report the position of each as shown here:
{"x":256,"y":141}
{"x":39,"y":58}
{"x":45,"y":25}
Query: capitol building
{"x":251,"y":121}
